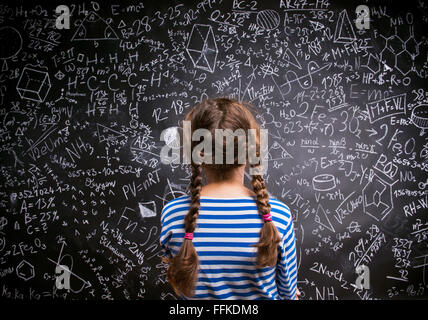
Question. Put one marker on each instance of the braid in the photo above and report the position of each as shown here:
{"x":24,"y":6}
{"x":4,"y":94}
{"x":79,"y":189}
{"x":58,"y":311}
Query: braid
{"x":259,"y":188}
{"x":269,"y":236}
{"x":183,"y":269}
{"x":195,"y":194}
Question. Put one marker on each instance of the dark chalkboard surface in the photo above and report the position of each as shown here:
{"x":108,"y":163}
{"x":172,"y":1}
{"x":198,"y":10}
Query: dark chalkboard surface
{"x":82,"y":110}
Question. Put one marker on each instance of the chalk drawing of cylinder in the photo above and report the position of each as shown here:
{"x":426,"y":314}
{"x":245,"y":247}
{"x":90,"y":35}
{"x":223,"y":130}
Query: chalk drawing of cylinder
{"x":33,"y":84}
{"x":419,"y":117}
{"x":323,"y":182}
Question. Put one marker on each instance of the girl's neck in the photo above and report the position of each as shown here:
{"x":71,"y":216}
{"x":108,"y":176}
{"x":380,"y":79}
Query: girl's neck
{"x":229,"y":185}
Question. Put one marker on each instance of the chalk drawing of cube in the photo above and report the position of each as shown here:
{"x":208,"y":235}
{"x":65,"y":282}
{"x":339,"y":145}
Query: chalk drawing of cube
{"x":33,"y":84}
{"x":202,"y":47}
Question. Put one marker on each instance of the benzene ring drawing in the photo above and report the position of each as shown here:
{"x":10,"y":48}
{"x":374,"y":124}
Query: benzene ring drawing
{"x":377,"y":198}
{"x":202,"y":47}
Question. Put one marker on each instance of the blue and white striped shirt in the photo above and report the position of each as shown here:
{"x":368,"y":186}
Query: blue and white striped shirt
{"x":226,"y":230}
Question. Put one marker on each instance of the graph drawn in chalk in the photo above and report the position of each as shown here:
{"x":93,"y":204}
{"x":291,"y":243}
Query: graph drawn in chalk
{"x":344,"y":32}
{"x":304,"y":81}
{"x":202,"y":47}
{"x":93,"y":27}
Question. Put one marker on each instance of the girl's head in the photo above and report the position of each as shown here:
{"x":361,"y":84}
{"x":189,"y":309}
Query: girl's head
{"x":212,"y":114}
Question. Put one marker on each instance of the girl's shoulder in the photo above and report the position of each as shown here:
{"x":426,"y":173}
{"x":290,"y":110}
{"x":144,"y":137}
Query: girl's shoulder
{"x":280,"y":208}
{"x":174,"y":203}
{"x":274,"y":200}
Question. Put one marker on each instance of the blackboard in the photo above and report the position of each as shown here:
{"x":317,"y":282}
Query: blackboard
{"x":82,"y":110}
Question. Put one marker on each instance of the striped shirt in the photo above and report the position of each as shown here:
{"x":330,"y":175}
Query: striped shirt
{"x":226,"y":230}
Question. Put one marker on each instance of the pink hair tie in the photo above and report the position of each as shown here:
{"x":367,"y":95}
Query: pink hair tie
{"x":267,"y":217}
{"x":188,"y":235}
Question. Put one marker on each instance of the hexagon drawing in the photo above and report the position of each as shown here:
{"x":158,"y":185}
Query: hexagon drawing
{"x":25,"y":270}
{"x":395,"y":44}
{"x":412,"y":47}
{"x":403,"y":62}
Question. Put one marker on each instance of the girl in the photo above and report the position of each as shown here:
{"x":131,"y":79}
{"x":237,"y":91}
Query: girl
{"x":224,"y":241}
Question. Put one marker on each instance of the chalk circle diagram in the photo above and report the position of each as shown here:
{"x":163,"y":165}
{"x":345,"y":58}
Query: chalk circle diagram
{"x":268,"y":19}
{"x":11,"y":42}
{"x":172,"y":191}
{"x":419,"y":117}
{"x":93,"y":27}
{"x":202,"y":47}
{"x":323,"y":182}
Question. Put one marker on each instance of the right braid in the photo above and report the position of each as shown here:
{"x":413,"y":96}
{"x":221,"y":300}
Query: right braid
{"x":195,"y":194}
{"x":183,"y":269}
{"x":269,"y":236}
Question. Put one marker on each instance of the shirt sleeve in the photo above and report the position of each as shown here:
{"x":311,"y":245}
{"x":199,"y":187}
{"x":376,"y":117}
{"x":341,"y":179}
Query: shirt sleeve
{"x":165,"y":236}
{"x":286,"y":276}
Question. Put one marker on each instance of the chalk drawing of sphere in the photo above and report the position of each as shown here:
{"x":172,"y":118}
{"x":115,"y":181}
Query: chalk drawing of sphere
{"x":10,"y":42}
{"x":268,"y":19}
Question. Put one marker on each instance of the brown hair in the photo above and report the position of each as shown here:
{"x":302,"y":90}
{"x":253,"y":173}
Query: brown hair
{"x":211,"y":114}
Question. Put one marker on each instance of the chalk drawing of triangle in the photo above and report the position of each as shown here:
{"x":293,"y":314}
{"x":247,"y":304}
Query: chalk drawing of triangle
{"x":147,"y":209}
{"x":316,"y":25}
{"x":322,"y":219}
{"x":5,"y":67}
{"x":344,"y":32}
{"x":292,"y":58}
{"x":93,"y":27}
{"x":277,"y":152}
{"x":108,"y":134}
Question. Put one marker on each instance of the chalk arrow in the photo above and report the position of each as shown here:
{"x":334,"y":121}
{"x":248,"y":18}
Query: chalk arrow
{"x":372,"y":131}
